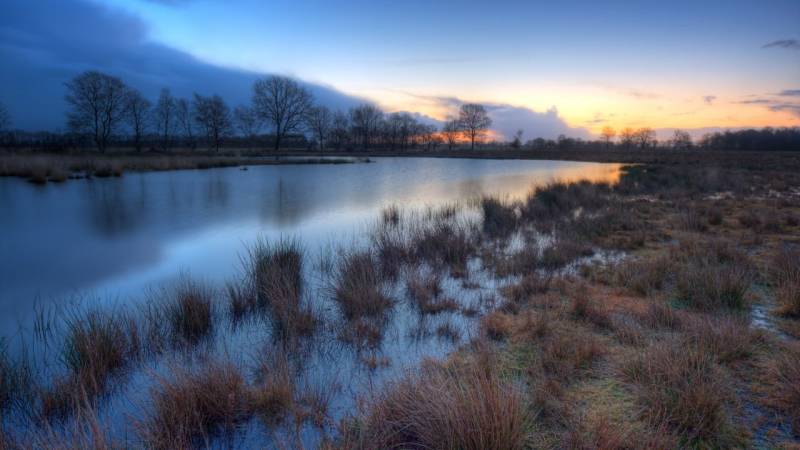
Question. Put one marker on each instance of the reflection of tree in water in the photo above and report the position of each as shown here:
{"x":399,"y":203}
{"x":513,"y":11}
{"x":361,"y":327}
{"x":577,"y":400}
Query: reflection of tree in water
{"x":217,"y":193}
{"x":115,"y":207}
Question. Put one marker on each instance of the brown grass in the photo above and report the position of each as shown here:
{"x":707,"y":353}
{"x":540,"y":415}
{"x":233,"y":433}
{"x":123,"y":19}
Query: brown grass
{"x":499,"y":219}
{"x":583,"y":308}
{"x":189,"y":312}
{"x":496,"y":325}
{"x":444,"y":408}
{"x":779,"y":381}
{"x":193,"y":406}
{"x":681,"y":386}
{"x":358,"y":287}
{"x":273,"y":396}
{"x":97,"y":346}
{"x":785,"y":276}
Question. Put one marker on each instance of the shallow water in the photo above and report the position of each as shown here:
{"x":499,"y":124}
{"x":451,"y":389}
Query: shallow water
{"x":112,"y":238}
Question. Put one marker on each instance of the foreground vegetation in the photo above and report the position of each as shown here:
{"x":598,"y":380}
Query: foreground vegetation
{"x":659,"y":312}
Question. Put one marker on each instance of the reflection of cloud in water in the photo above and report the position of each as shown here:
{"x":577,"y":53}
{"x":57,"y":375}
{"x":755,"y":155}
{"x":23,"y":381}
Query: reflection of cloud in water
{"x":147,"y":226}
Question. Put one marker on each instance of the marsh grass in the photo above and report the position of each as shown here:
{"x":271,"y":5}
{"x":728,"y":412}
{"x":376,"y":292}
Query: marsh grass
{"x":445,"y":408}
{"x":189,"y":312}
{"x":785,"y":277}
{"x":779,"y":375}
{"x":681,"y":387}
{"x":98,"y":346}
{"x":499,"y":219}
{"x":358,"y":286}
{"x":191,"y":407}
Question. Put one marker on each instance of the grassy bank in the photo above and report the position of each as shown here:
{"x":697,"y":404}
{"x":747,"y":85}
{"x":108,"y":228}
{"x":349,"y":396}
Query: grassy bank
{"x":42,"y":168}
{"x":659,"y":312}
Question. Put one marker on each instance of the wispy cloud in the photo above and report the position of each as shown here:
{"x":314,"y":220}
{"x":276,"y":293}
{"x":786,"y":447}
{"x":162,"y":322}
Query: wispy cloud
{"x":793,"y":108}
{"x":791,"y":44}
{"x":709,"y":99}
{"x":790,"y":93}
{"x":756,"y":101}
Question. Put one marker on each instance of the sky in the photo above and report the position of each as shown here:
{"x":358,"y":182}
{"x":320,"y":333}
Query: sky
{"x":567,"y":67}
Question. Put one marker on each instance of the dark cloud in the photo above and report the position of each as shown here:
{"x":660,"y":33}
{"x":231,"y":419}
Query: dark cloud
{"x":709,"y":99}
{"x":755,"y":101}
{"x":793,"y":108}
{"x":44,"y":43}
{"x":790,"y":93}
{"x":791,"y":44}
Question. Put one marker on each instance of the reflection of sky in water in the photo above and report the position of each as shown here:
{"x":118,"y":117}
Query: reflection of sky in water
{"x":114,"y":237}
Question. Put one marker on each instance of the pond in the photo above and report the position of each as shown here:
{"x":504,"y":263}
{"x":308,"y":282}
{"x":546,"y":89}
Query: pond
{"x":113,"y":237}
{"x":115,"y":242}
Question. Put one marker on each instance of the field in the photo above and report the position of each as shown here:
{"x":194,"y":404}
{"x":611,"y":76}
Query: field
{"x":659,"y":312}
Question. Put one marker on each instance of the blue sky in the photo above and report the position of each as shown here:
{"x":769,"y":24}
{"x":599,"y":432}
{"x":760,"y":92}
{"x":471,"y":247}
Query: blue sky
{"x":621,"y":63}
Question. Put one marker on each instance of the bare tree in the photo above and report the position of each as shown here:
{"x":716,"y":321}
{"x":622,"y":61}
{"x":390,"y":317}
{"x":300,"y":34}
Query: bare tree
{"x":365,"y":121}
{"x":283,"y":103}
{"x":247,"y":121}
{"x":474,"y":121}
{"x":517,"y":141}
{"x":5,"y":118}
{"x":608,"y":134}
{"x":681,"y":140}
{"x":644,"y":137}
{"x":451,"y":131}
{"x":164,"y":116}
{"x":97,"y":105}
{"x":5,"y":125}
{"x":339,"y":130}
{"x":213,"y":116}
{"x":137,"y":110}
{"x":627,"y":136}
{"x":320,"y":121}
{"x":183,"y":116}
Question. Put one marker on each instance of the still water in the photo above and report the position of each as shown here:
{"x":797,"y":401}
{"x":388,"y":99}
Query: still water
{"x":112,"y":238}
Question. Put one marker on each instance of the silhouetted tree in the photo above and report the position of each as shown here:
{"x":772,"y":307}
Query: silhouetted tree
{"x":627,"y":136}
{"x":184,"y":116}
{"x":365,"y":121}
{"x":283,"y":103}
{"x":644,"y":137}
{"x":247,"y":121}
{"x":339,"y":130}
{"x":137,"y":112}
{"x":97,"y":105}
{"x":213,"y":116}
{"x":608,"y":134}
{"x":164,"y":117}
{"x":681,"y":140}
{"x":5,"y":119}
{"x":451,"y":131}
{"x":319,"y":122}
{"x":784,"y":139}
{"x":517,"y":141}
{"x":475,"y":121}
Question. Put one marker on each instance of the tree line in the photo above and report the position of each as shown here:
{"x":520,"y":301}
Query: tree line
{"x":104,"y":111}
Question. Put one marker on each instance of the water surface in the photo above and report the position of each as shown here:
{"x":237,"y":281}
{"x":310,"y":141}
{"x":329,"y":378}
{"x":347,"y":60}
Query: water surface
{"x":112,"y":238}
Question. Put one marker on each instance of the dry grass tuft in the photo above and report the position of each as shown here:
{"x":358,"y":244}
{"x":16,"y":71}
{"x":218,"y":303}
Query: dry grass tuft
{"x":98,"y":346}
{"x":499,"y":220}
{"x":189,"y":312}
{"x":273,"y":396}
{"x":497,"y":325}
{"x":779,"y":381}
{"x":582,"y":308}
{"x":466,"y":408}
{"x":194,"y":406}
{"x":785,"y":276}
{"x":357,"y":288}
{"x":681,"y":387}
